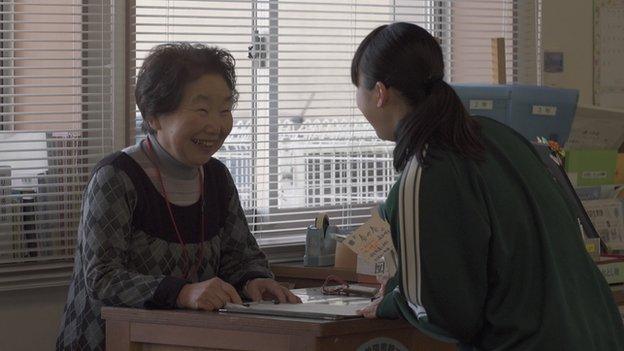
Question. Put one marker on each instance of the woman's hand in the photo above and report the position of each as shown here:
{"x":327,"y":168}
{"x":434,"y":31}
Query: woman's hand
{"x":208,"y":295}
{"x":259,"y":288}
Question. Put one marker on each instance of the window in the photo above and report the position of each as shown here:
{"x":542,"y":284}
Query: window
{"x":56,"y":123}
{"x":334,"y":177}
{"x":467,"y":27}
{"x":299,"y":145}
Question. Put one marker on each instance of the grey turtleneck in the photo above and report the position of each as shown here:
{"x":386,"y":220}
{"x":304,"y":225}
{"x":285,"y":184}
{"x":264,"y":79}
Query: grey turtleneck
{"x":181,"y":181}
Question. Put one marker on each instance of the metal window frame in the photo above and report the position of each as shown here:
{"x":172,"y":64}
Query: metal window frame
{"x":6,"y":84}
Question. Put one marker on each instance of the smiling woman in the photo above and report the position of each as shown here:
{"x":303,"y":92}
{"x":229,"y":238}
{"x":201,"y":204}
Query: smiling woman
{"x":162,"y":225}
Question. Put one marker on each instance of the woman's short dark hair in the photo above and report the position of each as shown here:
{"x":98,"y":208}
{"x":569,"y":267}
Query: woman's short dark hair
{"x":407,"y":58}
{"x":169,"y":68}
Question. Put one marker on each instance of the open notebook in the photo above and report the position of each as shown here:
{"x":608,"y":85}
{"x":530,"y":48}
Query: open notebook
{"x":315,"y":305}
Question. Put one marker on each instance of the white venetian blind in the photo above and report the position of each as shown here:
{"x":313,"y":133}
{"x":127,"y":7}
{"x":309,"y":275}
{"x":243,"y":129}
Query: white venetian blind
{"x":55,"y":124}
{"x":299,"y":145}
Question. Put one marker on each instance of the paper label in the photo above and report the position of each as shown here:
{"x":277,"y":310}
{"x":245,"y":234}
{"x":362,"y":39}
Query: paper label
{"x":594,"y":175}
{"x":481,"y":104}
{"x":542,"y":110}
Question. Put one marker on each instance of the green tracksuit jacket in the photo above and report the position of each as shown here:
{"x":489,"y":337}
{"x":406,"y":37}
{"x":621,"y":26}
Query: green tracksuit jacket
{"x":499,"y":261}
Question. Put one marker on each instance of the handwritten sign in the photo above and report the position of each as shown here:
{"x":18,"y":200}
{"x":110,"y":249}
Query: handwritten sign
{"x":372,"y":240}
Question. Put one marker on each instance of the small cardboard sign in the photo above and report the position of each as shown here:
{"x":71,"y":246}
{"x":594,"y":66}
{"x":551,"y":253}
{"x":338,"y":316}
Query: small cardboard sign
{"x":372,"y":240}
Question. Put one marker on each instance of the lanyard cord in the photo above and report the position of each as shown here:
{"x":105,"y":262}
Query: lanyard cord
{"x":199,"y":254}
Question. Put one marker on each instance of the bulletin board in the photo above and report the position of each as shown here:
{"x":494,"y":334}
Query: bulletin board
{"x":609,"y":53}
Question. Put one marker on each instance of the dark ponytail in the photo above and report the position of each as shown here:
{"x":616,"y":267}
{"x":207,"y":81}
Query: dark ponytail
{"x":407,"y":58}
{"x":440,"y":120}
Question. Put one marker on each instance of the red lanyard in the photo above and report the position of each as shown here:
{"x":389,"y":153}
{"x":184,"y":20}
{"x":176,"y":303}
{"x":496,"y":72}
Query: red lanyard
{"x":199,"y":254}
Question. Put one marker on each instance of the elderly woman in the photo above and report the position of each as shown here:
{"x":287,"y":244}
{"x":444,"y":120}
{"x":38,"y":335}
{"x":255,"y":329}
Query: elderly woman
{"x":162,"y":225}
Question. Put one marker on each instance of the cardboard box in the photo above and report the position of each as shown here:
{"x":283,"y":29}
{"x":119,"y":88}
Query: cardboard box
{"x":590,"y":167}
{"x":345,"y":258}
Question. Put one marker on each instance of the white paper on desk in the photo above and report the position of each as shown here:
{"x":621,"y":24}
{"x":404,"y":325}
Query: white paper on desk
{"x":608,"y":218}
{"x":371,"y":240}
{"x":596,"y":128}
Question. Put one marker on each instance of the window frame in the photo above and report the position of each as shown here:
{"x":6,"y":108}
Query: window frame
{"x":56,"y":269}
{"x":5,"y":43}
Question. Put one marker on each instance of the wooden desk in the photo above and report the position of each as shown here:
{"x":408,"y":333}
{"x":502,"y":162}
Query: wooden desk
{"x":158,"y":330}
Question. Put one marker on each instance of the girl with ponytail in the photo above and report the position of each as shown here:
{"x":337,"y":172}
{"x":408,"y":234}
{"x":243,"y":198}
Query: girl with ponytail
{"x":490,"y":252}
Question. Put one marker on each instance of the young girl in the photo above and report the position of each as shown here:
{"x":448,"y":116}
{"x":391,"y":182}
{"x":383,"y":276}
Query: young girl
{"x":490,"y":252}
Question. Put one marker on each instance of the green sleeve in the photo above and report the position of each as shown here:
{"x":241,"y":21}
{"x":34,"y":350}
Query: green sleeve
{"x":455,"y":233}
{"x":388,"y":308}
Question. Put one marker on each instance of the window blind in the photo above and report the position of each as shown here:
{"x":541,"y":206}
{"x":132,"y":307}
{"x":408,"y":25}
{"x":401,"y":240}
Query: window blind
{"x":55,"y":124}
{"x":299,"y":145}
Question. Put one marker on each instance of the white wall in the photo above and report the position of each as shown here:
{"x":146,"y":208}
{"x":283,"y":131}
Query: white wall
{"x":30,"y":318}
{"x":567,"y":26}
